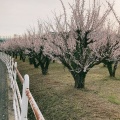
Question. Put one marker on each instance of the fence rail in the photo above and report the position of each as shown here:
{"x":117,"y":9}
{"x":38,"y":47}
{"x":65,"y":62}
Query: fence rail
{"x":20,"y":103}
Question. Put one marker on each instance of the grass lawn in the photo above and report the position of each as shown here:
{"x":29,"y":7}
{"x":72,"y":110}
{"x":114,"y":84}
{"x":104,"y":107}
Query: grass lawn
{"x":59,"y":100}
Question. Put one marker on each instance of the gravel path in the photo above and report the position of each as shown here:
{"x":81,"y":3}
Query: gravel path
{"x":3,"y":92}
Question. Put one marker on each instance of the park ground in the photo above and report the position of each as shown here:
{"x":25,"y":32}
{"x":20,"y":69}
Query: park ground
{"x":59,"y":100}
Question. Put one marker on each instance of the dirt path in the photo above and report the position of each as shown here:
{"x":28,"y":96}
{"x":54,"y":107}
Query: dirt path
{"x":3,"y":92}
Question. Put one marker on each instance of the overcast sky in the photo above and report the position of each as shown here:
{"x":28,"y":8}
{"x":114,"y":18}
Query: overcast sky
{"x":18,"y":15}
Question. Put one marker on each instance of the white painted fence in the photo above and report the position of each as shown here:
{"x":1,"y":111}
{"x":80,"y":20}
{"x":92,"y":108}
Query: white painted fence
{"x":20,"y":104}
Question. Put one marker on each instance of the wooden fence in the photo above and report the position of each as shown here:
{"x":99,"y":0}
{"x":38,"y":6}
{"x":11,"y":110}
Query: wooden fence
{"x":20,"y":103}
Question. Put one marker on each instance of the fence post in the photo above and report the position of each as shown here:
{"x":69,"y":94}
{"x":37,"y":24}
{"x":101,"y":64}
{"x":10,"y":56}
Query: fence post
{"x":9,"y":65}
{"x":11,"y":71}
{"x":14,"y":68}
{"x":24,"y":106}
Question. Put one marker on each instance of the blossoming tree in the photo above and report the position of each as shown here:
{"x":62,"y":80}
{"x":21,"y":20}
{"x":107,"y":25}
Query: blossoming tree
{"x":36,"y":49}
{"x":75,"y":42}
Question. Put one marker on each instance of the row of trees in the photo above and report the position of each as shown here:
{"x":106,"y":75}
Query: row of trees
{"x":80,"y":42}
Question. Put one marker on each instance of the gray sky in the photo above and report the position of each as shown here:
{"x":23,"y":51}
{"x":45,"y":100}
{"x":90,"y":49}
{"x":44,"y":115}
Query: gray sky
{"x":18,"y":15}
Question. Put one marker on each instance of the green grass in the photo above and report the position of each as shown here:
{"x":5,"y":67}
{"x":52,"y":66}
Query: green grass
{"x":59,"y":100}
{"x":113,"y":99}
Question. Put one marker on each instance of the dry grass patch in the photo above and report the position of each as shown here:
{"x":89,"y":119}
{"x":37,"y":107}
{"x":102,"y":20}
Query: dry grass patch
{"x":59,"y":100}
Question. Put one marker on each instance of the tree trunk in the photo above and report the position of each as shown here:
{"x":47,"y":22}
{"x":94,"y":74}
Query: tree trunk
{"x":15,"y":55}
{"x":79,"y":79}
{"x":114,"y":68}
{"x":44,"y":71}
{"x":30,"y":57}
{"x":35,"y":63}
{"x":44,"y":66}
{"x":23,"y":57}
{"x":109,"y":67}
{"x":20,"y":57}
{"x":30,"y":60}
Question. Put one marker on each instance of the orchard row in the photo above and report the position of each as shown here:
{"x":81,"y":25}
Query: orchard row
{"x":79,"y":42}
